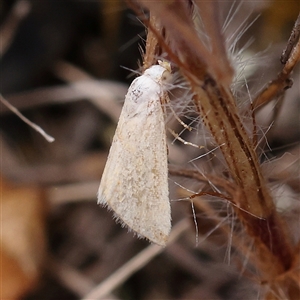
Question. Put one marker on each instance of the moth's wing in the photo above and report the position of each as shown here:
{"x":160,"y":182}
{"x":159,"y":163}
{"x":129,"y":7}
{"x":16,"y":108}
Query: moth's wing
{"x":134,"y":183}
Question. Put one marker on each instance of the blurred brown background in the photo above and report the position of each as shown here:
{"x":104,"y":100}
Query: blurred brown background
{"x":61,"y":66}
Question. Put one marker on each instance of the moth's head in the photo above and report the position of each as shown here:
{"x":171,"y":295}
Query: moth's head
{"x":167,"y":75}
{"x":160,"y":73}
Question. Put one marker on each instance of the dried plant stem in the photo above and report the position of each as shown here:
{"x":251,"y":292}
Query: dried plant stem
{"x":152,"y":47}
{"x":37,"y":128}
{"x":215,"y":103}
{"x":215,"y":106}
{"x":293,"y":40}
{"x":291,"y":57}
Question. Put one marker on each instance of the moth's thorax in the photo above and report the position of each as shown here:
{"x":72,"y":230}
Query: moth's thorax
{"x":145,"y":92}
{"x":159,"y":74}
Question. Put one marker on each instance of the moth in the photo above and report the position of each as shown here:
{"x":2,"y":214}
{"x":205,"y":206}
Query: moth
{"x":134,"y":184}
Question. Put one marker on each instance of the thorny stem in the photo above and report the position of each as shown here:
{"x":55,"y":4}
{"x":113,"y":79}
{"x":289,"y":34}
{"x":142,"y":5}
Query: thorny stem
{"x":221,"y":118}
{"x":216,"y":105}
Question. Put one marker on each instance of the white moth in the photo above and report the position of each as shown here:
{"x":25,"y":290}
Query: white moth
{"x":134,"y":183}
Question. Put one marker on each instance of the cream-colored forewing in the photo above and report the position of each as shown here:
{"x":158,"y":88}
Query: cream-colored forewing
{"x":134,"y":183}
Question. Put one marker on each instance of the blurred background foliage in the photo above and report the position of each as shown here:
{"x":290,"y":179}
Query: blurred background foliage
{"x":52,"y":230}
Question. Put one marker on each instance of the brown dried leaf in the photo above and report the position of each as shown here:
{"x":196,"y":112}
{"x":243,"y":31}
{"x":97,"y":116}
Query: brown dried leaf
{"x":22,"y":238}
